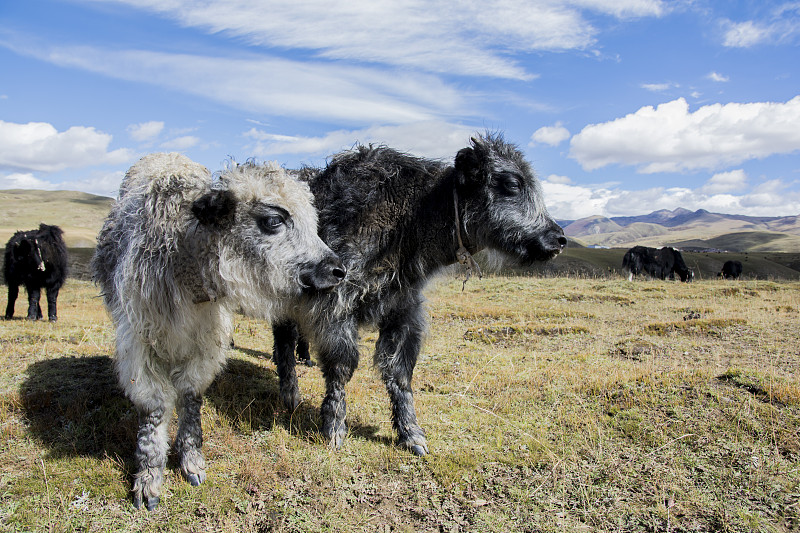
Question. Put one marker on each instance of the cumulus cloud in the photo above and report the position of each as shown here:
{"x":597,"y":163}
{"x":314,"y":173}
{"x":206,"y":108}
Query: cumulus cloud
{"x":470,"y":37}
{"x":38,"y":146}
{"x":24,"y":181}
{"x":439,"y":140}
{"x":670,"y":138}
{"x":571,"y":202}
{"x":145,"y":131}
{"x":726,"y":182}
{"x":715,"y":76}
{"x":550,"y":135}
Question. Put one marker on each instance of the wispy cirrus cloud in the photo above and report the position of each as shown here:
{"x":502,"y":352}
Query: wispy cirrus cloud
{"x":781,"y":24}
{"x":266,"y":84}
{"x":471,"y":37}
{"x":435,"y":139}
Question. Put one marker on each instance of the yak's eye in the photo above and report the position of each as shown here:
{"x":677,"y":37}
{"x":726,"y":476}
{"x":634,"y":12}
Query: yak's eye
{"x":270,"y":224}
{"x":509,"y":184}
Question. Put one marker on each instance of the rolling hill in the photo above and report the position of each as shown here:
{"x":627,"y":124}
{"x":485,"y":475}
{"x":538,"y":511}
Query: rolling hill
{"x":769,"y":247}
{"x":79,"y":214}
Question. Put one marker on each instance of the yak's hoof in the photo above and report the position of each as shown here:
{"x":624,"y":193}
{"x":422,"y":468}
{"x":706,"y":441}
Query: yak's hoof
{"x":53,"y":319}
{"x":308,"y":362}
{"x":194,"y":480}
{"x":291,"y":400}
{"x":418,"y":450}
{"x":335,"y":438}
{"x":150,"y":503}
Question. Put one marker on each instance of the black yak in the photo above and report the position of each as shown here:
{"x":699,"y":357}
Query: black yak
{"x":661,"y":264}
{"x":396,"y":220}
{"x":36,"y":259}
{"x":732,"y":269}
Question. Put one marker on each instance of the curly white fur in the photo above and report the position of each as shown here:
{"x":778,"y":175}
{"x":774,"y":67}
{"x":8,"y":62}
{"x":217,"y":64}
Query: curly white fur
{"x":177,"y":256}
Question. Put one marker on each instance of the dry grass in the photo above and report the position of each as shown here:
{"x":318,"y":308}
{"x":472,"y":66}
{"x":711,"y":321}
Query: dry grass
{"x":556,"y":404}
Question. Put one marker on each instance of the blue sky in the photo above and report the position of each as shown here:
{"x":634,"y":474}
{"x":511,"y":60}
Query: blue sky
{"x":622,"y":106}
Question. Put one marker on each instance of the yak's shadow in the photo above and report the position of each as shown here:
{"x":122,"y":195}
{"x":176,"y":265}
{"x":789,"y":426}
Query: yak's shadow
{"x":74,"y":406}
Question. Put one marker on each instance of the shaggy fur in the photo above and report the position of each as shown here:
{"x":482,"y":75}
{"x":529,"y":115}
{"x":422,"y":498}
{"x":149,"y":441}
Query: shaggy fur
{"x":391,"y":218}
{"x":732,"y":269}
{"x":660,"y":264}
{"x":36,"y":259}
{"x":176,"y":257}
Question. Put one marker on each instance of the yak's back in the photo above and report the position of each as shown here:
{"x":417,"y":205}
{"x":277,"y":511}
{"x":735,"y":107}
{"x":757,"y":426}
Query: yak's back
{"x":369,"y":199}
{"x":150,"y":217}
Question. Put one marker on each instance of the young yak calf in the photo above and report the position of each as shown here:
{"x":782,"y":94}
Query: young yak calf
{"x":395,"y":220}
{"x":177,"y":256}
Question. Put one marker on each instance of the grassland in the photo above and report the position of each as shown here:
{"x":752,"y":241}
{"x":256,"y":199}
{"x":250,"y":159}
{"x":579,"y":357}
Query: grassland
{"x":551,"y":404}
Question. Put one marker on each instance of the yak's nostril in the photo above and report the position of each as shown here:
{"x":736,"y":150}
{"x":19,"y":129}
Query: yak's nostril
{"x":562,"y":241}
{"x":339,"y":273}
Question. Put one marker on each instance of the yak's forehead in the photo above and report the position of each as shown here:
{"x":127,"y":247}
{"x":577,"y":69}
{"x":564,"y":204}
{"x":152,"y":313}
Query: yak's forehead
{"x":271,"y":184}
{"x":506,"y":158}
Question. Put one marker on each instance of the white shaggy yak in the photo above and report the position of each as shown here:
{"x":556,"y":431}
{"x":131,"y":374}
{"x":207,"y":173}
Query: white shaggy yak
{"x":178,"y":254}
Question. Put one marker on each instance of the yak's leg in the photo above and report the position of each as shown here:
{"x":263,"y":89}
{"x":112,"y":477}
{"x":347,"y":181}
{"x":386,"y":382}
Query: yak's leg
{"x":191,"y":379}
{"x":151,"y":456}
{"x":52,"y":298}
{"x":338,"y":356}
{"x":396,"y":355}
{"x":285,"y":340}
{"x":13,"y":292}
{"x":189,"y":439}
{"x":34,"y":309}
{"x":303,"y":353}
{"x":154,"y":397}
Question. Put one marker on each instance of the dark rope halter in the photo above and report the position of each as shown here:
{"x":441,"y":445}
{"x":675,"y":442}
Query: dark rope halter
{"x":462,"y":254}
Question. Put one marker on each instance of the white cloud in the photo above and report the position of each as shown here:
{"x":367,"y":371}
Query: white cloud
{"x":746,"y":34}
{"x":550,"y":135}
{"x":100,"y":183}
{"x":24,"y":181}
{"x":38,"y":146}
{"x":433,"y":139}
{"x":181,"y":143}
{"x":571,"y":202}
{"x":470,"y":37}
{"x":669,"y":138}
{"x":733,"y":180}
{"x":781,"y":25}
{"x":714,"y":76}
{"x":277,"y":86}
{"x":561,"y":180}
{"x":659,"y":87}
{"x":145,"y":131}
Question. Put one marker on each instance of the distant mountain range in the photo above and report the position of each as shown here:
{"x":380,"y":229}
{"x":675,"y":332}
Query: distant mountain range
{"x":81,"y":216}
{"x":686,"y":229}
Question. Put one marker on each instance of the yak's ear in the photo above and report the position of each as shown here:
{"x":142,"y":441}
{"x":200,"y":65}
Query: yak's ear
{"x":215,"y":209}
{"x":470,"y":165}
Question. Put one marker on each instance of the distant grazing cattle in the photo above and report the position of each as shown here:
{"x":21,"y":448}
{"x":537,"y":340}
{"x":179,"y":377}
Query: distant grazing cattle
{"x":732,"y":269}
{"x":176,"y":257}
{"x":396,"y":220}
{"x":661,"y":264}
{"x":36,"y":259}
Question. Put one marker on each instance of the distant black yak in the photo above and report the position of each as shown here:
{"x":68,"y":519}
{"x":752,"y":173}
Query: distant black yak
{"x":660,"y":264}
{"x":732,"y":269}
{"x":36,"y":259}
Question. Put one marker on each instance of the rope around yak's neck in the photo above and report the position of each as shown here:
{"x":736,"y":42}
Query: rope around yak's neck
{"x":462,"y":254}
